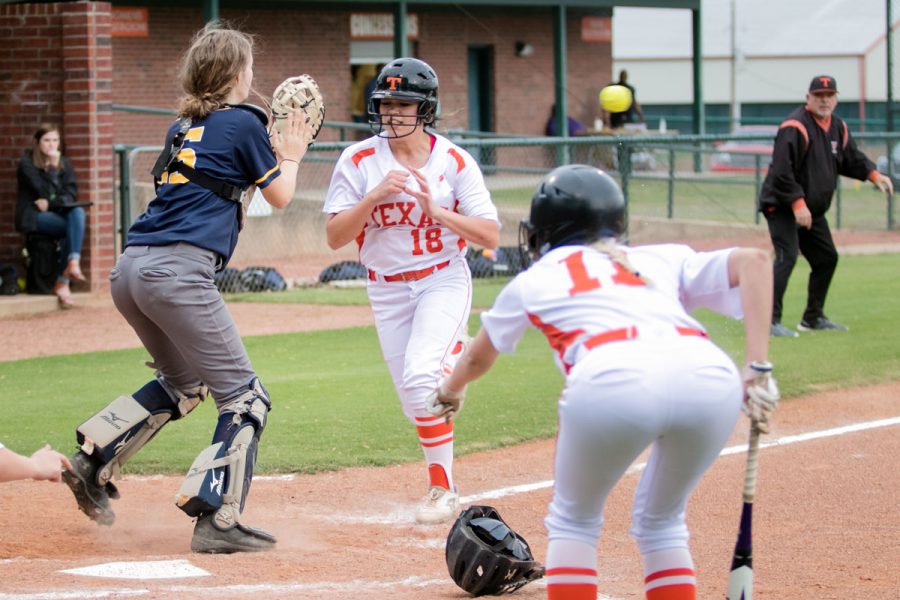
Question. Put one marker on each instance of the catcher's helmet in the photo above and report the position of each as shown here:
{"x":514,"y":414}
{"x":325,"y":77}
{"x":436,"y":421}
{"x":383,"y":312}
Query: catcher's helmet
{"x":573,"y":204}
{"x":409,"y":80}
{"x":485,"y":556}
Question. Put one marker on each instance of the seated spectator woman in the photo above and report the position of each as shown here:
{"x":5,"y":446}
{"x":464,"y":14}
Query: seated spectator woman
{"x":47,"y":204}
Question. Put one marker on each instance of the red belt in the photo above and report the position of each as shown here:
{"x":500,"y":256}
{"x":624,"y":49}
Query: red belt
{"x":411,"y":275}
{"x":629,"y":333}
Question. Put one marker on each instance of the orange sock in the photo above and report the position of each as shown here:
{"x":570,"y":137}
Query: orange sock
{"x":436,"y":439}
{"x":671,"y":584}
{"x":563,"y":584}
{"x":437,"y":476}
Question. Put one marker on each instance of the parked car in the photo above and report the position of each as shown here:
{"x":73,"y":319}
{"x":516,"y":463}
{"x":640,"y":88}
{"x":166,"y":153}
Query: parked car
{"x":739,"y":156}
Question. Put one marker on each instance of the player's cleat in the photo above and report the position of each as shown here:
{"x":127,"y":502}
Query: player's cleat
{"x":438,"y":506}
{"x":210,"y":539}
{"x":93,"y":500}
{"x":779,"y":330}
{"x":821,"y":324}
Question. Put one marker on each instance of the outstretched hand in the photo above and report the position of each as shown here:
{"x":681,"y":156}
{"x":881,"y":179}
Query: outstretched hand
{"x":884,"y":183}
{"x":48,"y":464}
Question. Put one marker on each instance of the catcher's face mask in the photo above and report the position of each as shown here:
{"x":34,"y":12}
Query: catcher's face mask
{"x":398,"y":118}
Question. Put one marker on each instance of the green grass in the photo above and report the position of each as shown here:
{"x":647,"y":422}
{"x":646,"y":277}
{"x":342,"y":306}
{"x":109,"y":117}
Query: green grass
{"x":334,"y":405}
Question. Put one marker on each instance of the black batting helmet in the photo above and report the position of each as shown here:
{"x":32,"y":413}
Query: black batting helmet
{"x":409,"y":80}
{"x":485,"y":556}
{"x":574,"y":204}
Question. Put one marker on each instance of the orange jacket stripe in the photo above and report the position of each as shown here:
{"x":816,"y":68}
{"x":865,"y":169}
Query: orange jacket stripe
{"x":798,"y":125}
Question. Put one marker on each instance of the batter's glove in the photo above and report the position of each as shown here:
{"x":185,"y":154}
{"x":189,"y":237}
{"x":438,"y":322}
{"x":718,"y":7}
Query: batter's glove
{"x":301,"y":93}
{"x":443,"y":403}
{"x":761,"y":394}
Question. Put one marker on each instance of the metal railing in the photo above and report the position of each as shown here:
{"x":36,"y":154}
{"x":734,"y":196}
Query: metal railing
{"x":658,"y":175}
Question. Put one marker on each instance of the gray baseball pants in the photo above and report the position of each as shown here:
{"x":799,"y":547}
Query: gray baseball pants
{"x":168,"y":296}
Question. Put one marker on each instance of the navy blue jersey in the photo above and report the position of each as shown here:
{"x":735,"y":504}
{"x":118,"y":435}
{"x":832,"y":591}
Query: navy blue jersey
{"x":229,"y":144}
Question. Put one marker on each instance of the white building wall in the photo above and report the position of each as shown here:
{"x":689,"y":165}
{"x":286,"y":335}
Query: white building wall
{"x":760,"y":80}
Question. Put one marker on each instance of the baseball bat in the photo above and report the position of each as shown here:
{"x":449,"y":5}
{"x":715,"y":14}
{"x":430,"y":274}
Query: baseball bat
{"x":740,"y":582}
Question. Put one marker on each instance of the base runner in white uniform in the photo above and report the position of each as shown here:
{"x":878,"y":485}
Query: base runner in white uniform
{"x":411,"y":199}
{"x":640,"y":371}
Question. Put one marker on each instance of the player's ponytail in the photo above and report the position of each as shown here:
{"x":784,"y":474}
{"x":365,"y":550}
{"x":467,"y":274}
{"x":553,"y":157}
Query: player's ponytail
{"x":617,"y":255}
{"x":218,"y":54}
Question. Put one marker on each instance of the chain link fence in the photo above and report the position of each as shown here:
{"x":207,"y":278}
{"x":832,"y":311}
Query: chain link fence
{"x":709,"y":181}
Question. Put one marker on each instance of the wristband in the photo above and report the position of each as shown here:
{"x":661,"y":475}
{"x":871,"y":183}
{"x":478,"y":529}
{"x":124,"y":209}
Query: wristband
{"x":761,"y":366}
{"x":284,"y":160}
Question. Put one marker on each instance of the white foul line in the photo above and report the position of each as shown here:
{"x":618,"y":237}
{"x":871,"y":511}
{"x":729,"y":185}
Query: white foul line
{"x":637,"y":467}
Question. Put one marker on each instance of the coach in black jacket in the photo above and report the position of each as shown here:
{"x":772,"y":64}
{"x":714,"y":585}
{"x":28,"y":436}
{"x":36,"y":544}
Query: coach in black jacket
{"x":812,"y":147}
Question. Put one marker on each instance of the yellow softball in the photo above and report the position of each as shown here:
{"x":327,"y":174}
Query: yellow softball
{"x":615,"y":98}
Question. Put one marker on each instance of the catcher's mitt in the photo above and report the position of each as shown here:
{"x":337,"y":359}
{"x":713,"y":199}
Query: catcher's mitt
{"x":302,"y":93}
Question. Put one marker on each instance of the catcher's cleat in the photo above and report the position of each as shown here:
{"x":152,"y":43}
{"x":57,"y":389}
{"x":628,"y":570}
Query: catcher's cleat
{"x":210,"y":539}
{"x":93,"y":500}
{"x":438,"y":506}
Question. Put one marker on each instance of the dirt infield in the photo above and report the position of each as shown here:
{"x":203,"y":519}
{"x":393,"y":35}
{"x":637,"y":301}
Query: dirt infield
{"x":826,"y":524}
{"x":826,"y":519}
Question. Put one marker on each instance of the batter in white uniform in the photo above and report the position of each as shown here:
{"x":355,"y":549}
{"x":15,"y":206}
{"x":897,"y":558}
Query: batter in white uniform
{"x":640,"y":371}
{"x":411,"y":200}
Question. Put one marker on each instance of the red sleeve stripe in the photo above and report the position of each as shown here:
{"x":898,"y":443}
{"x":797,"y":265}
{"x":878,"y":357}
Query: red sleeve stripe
{"x":798,"y":125}
{"x":361,"y":155}
{"x":846,"y":134}
{"x":460,"y":162}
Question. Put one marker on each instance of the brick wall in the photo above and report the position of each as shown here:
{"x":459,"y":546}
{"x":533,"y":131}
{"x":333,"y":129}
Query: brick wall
{"x":59,"y":63}
{"x":289,"y":42}
{"x":56,"y":66}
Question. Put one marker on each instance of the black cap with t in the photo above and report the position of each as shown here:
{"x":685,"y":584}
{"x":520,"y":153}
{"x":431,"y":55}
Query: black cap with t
{"x":822,"y":83}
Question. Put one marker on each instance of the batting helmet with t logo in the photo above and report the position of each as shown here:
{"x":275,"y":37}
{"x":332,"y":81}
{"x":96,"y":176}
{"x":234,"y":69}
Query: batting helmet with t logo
{"x":407,"y":80}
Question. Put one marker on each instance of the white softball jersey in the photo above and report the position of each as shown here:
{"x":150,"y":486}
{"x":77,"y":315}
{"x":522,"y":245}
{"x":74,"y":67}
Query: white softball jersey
{"x":397,"y":236}
{"x":575,"y":293}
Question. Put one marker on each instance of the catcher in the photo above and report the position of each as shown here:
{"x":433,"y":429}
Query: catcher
{"x":163,"y":285}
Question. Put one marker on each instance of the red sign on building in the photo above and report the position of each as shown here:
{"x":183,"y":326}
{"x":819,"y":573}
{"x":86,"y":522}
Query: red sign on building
{"x":596,"y":29}
{"x":129,"y":21}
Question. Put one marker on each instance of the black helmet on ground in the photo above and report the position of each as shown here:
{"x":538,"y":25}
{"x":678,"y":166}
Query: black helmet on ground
{"x":485,"y":556}
{"x":573,"y":204}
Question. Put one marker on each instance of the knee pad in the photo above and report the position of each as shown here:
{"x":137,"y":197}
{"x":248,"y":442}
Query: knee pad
{"x":117,"y":432}
{"x":219,"y":478}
